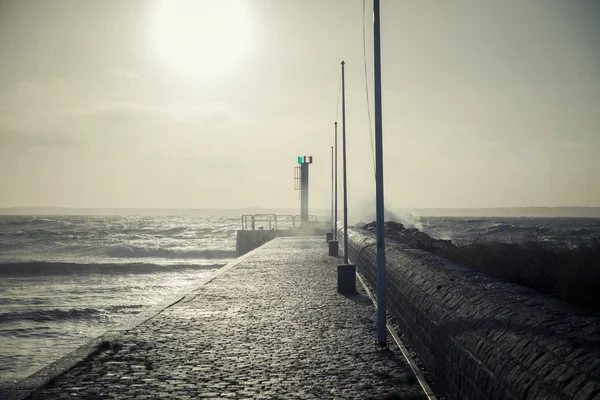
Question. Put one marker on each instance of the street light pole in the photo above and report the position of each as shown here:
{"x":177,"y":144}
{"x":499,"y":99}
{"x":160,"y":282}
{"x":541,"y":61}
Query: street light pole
{"x":346,"y":272}
{"x":344,"y":162}
{"x":381,"y":311}
{"x":332,"y":187}
{"x":335,"y":207}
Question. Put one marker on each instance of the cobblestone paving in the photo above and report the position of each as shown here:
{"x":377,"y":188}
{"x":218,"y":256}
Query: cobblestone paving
{"x":271,"y":327}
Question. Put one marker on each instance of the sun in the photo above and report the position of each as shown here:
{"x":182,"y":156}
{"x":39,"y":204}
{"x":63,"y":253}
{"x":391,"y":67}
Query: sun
{"x":201,"y":38}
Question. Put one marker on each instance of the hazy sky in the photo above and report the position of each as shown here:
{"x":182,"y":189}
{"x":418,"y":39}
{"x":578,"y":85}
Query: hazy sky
{"x":198,"y":104}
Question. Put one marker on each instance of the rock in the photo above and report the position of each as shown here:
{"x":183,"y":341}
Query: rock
{"x":396,"y":232}
{"x":370,"y":226}
{"x":394,"y":226}
{"x":422,"y":236}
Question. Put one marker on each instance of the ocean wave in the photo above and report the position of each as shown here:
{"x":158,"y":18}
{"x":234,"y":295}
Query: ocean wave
{"x":55,"y":314}
{"x":145,"y":252}
{"x":125,"y":308}
{"x":28,"y":301}
{"x":23,"y":221}
{"x":470,"y":220}
{"x":172,"y":231}
{"x":516,"y":230}
{"x":582,"y":232}
{"x":44,"y":332}
{"x":52,"y":268}
{"x":43,"y":221}
{"x":14,"y":222}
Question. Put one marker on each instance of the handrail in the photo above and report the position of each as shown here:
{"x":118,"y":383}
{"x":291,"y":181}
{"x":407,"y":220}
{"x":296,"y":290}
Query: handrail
{"x":249,"y":220}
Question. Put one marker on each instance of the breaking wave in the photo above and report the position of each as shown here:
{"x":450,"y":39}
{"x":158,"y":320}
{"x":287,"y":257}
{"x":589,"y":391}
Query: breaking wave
{"x":55,"y":314}
{"x":465,"y":230}
{"x":144,"y":252}
{"x":50,"y":268}
{"x":69,"y":314}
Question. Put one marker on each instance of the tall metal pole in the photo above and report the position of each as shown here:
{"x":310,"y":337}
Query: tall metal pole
{"x":381,"y":316}
{"x":344,"y":161}
{"x":335,"y":208}
{"x":332,"y":221}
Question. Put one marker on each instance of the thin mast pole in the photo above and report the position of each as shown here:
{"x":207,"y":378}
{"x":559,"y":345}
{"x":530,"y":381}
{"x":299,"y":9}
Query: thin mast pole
{"x":381,"y":314}
{"x":332,"y":222}
{"x":344,"y":161}
{"x":335,"y":208}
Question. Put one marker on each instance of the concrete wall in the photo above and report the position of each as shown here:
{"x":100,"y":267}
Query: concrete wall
{"x":480,"y":338}
{"x":248,"y":240}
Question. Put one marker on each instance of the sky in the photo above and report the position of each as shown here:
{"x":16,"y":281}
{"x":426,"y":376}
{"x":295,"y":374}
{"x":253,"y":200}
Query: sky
{"x":207,"y":104}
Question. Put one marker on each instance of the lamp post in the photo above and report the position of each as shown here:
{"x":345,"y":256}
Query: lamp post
{"x":346,"y":273}
{"x":335,"y":207}
{"x":332,"y":188}
{"x":344,"y":165}
{"x":381,"y":315}
{"x":334,"y":244}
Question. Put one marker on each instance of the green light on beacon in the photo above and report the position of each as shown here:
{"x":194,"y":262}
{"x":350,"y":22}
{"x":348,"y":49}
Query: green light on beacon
{"x":305,"y":160}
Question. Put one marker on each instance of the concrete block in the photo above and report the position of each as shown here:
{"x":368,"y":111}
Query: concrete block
{"x":346,"y":278}
{"x":334,"y":248}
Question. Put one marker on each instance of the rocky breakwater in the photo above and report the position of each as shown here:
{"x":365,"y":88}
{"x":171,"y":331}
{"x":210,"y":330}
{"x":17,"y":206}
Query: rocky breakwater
{"x":476,"y":336}
{"x":397,"y":233}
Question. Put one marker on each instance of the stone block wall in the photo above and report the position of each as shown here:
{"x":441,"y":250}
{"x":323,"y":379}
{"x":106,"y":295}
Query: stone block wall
{"x":480,"y":338}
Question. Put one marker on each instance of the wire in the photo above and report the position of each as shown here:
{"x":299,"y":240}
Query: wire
{"x":367,"y":87}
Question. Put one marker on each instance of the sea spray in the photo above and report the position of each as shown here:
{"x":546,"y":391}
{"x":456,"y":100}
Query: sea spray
{"x":366,"y":212}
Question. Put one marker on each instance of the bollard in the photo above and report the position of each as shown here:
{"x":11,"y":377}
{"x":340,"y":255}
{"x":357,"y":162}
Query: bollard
{"x":346,"y":278}
{"x":328,"y":236}
{"x":333,"y":248}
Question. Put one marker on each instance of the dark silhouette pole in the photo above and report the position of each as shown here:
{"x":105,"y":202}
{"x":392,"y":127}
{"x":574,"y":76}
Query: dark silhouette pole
{"x":336,"y":183}
{"x":344,"y":161}
{"x":381,"y":315}
{"x":332,"y":187}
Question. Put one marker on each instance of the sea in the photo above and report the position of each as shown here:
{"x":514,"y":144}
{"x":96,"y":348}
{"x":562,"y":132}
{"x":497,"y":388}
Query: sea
{"x":67,"y":279}
{"x":64,"y":280}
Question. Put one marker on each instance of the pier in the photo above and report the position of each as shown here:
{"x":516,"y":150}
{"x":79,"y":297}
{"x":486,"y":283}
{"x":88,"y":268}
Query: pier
{"x":271,"y":324}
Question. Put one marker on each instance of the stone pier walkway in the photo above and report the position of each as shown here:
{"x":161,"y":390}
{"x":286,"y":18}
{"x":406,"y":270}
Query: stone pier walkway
{"x":271,"y":327}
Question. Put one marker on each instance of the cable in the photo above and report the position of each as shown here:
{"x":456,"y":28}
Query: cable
{"x":367,"y":87}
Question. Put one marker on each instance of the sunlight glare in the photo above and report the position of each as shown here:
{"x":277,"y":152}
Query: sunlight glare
{"x":202,"y":39}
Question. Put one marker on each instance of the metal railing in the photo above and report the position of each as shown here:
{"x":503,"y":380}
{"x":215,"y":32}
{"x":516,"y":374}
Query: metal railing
{"x":273,"y":221}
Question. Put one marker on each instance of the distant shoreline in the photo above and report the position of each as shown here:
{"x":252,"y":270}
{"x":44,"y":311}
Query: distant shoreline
{"x":514,"y":212}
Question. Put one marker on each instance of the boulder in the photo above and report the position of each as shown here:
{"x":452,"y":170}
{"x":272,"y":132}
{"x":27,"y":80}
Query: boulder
{"x":398,"y":233}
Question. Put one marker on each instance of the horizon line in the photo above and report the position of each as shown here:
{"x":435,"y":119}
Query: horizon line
{"x":263,"y":208}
